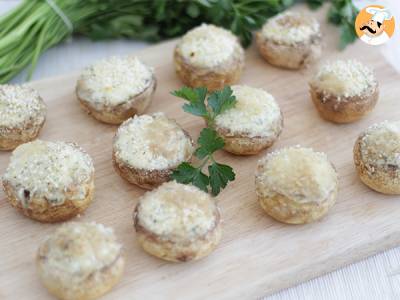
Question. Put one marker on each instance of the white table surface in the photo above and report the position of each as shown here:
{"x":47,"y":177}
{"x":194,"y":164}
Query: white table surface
{"x":377,"y":277}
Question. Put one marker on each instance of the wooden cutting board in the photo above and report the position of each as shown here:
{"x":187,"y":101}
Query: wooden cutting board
{"x":257,"y":255}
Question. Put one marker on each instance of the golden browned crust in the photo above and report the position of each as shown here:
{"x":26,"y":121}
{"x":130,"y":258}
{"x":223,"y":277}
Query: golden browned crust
{"x":214,"y":78}
{"x":119,"y":113}
{"x":94,"y":286}
{"x":382,"y":180}
{"x":40,"y":209}
{"x":243,"y":144}
{"x":146,"y":179}
{"x":289,"y":211}
{"x":11,"y":138}
{"x":294,"y":56}
{"x":344,"y":109}
{"x":178,"y":251}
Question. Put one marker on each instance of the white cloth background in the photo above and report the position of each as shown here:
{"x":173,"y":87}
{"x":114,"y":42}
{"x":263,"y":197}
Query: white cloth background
{"x":377,"y":277}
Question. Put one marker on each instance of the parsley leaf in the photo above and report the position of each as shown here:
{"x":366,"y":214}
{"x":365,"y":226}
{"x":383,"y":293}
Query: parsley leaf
{"x":202,"y":181}
{"x":196,"y":98}
{"x":186,"y":173}
{"x":220,"y":175}
{"x":220,"y":101}
{"x":208,"y":142}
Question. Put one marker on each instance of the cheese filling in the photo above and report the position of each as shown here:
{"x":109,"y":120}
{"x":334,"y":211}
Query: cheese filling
{"x":207,"y":46}
{"x":290,"y":28}
{"x":79,"y":249}
{"x":152,"y":142}
{"x":177,"y":211}
{"x":298,"y":173}
{"x":255,"y":114}
{"x":114,"y":81}
{"x":346,"y":78}
{"x":49,"y":170}
{"x":19,"y":105}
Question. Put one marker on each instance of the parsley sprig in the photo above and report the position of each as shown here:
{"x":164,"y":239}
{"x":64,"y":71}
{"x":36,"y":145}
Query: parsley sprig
{"x":208,"y":142}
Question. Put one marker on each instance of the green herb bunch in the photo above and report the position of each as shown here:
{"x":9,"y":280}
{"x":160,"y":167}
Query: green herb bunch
{"x":342,"y":13}
{"x":208,"y":142}
{"x":34,"y":26}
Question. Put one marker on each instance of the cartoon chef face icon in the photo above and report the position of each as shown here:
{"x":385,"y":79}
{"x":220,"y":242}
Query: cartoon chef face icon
{"x":373,"y":30}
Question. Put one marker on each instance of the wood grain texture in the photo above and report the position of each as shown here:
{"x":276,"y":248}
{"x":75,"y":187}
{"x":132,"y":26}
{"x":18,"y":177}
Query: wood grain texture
{"x":257,"y":255}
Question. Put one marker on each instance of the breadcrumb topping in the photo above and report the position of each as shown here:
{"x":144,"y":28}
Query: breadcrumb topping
{"x":19,"y":105}
{"x":208,"y":46}
{"x":380,"y":147}
{"x":291,"y":28}
{"x":152,"y":142}
{"x":344,"y":78}
{"x":113,"y":81}
{"x":78,"y":250}
{"x":298,"y":173}
{"x":255,"y":114}
{"x":49,"y":170}
{"x":177,"y":211}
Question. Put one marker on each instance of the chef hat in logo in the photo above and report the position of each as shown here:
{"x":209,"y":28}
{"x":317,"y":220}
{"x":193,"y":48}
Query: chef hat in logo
{"x":379,"y":14}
